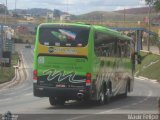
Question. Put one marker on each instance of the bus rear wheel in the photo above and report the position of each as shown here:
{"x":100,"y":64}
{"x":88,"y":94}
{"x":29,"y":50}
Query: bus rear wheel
{"x":108,"y":95}
{"x":102,"y":99}
{"x":105,"y":96}
{"x":56,"y":101}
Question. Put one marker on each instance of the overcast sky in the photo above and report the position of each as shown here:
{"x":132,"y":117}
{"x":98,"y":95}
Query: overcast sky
{"x":75,"y":6}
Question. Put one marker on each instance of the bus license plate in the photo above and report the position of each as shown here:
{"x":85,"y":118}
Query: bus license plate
{"x":61,"y":85}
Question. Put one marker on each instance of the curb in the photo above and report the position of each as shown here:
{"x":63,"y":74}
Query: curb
{"x":147,"y":79}
{"x":15,"y":80}
{"x":150,"y":52}
{"x":5,"y":85}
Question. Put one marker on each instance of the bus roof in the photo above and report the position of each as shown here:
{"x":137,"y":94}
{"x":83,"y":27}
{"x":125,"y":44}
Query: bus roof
{"x":63,"y":24}
{"x":111,"y":32}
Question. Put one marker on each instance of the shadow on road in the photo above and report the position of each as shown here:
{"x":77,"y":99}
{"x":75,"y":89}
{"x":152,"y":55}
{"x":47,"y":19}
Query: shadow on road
{"x":132,"y":102}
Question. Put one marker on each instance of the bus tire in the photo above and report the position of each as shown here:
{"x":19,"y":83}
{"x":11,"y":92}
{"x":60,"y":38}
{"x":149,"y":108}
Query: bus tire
{"x":108,"y":92}
{"x":56,"y":101}
{"x":105,"y":94}
{"x":108,"y":95}
{"x":102,"y":98}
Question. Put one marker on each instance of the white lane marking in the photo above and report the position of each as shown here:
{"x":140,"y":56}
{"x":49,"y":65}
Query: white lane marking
{"x":136,"y":103}
{"x":140,"y":78}
{"x":127,"y":111}
{"x":28,"y":94}
{"x":78,"y":117}
{"x":108,"y":111}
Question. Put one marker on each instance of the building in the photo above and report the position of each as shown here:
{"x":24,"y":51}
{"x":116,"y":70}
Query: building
{"x":28,"y":17}
{"x":65,"y":17}
{"x":8,"y":43}
{"x":49,"y":17}
{"x":22,"y":29}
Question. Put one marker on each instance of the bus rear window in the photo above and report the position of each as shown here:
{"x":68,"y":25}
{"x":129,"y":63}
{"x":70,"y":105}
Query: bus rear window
{"x":64,"y":36}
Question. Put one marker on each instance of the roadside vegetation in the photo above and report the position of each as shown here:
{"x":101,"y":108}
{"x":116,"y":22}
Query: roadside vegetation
{"x":7,"y":73}
{"x":150,"y":66}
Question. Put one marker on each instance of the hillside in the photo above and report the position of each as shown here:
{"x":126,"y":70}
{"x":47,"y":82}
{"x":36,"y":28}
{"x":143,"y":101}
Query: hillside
{"x":133,"y":14}
{"x":142,"y":10}
{"x":110,"y":16}
{"x":38,"y":11}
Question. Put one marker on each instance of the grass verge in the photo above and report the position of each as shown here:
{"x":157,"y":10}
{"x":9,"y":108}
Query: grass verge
{"x":150,"y":66}
{"x":7,"y":73}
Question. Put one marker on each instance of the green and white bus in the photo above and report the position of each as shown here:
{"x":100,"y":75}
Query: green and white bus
{"x":76,"y":61}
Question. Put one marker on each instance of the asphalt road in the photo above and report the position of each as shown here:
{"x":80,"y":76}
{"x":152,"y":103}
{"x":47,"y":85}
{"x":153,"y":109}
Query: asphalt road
{"x":20,"y":100}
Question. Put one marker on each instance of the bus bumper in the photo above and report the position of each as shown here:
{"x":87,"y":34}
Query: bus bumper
{"x":70,"y":93}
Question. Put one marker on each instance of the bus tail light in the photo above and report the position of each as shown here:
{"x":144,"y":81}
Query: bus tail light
{"x":35,"y":75}
{"x":88,"y":79}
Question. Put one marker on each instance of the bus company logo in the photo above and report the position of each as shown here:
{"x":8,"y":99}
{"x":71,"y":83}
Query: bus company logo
{"x":50,"y":49}
{"x":52,"y":74}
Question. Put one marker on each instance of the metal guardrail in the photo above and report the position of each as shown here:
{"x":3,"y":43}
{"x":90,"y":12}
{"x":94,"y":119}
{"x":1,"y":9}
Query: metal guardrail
{"x":150,"y":52}
{"x":1,"y":41}
{"x":134,"y":29}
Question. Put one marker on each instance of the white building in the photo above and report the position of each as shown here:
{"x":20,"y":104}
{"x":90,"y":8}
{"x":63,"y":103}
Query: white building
{"x":49,"y":17}
{"x":65,"y":17}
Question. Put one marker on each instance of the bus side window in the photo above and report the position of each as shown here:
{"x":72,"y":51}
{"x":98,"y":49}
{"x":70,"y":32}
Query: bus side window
{"x":123,"y":49}
{"x":104,"y":46}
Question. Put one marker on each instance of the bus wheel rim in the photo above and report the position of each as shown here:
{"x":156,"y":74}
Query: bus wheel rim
{"x":102,"y":97}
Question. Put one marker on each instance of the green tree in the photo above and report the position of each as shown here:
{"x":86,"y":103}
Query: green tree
{"x":154,"y":3}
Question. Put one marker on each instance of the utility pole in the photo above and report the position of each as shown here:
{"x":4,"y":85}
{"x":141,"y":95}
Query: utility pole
{"x":15,"y":5}
{"x":1,"y":42}
{"x":5,"y":12}
{"x":124,"y":17}
{"x":149,"y":25}
{"x":67,"y":6}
